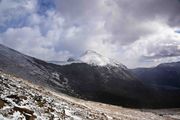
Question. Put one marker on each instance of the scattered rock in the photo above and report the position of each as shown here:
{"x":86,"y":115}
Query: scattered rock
{"x":2,"y":103}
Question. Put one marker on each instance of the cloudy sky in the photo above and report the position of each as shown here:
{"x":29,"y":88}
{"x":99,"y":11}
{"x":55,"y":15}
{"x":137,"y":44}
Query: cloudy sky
{"x":136,"y":33}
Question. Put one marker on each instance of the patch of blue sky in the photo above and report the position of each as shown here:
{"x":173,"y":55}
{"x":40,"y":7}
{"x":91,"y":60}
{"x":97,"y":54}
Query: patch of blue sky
{"x":177,"y":31}
{"x":19,"y":18}
{"x":44,"y":6}
{"x":14,"y":22}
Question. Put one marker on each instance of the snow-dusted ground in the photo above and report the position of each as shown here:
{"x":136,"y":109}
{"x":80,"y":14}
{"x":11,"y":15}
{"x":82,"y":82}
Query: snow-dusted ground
{"x":20,"y":100}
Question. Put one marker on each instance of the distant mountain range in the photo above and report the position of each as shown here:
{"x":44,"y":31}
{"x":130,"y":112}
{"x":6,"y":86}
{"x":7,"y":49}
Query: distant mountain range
{"x":95,"y":77}
{"x":166,"y":75}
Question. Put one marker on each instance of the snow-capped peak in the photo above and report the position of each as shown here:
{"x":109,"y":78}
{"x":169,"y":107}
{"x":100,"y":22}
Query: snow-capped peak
{"x":94,"y":58}
{"x":91,"y":57}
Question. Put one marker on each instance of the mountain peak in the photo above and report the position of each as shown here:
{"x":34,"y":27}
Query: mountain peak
{"x":71,"y":59}
{"x":94,"y":58}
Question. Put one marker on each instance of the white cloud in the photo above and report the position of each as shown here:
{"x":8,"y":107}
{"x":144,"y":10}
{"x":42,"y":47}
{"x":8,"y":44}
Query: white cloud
{"x":134,"y":34}
{"x":13,"y":9}
{"x":160,"y":46}
{"x":30,"y":41}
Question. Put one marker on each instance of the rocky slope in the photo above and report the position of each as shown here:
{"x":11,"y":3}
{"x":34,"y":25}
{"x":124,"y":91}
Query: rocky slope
{"x":21,"y":100}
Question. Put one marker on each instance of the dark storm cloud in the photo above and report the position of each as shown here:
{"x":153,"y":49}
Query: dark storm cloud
{"x":133,"y":14}
{"x":123,"y":18}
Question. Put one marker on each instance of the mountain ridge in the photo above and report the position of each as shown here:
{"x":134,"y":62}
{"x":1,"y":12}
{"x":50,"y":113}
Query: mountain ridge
{"x":166,"y":74}
{"x":108,"y":84}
